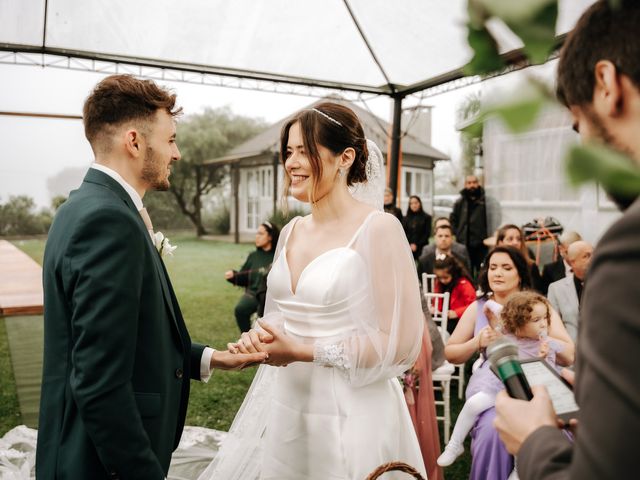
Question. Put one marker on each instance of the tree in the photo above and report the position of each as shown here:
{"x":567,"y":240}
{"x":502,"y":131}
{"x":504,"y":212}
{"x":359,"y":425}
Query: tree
{"x":202,"y":137}
{"x":57,"y":201}
{"x":18,"y":217}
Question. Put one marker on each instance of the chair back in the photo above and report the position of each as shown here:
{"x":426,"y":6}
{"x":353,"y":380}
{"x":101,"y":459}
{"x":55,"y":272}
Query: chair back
{"x":428,"y":283}
{"x":439,"y":307}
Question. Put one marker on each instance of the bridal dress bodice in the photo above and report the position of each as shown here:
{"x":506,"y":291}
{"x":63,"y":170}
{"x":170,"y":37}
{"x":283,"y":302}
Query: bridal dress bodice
{"x":343,"y":415}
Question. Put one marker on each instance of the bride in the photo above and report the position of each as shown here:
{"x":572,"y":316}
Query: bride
{"x":343,"y":315}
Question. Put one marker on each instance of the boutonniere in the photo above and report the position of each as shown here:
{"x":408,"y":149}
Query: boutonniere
{"x":163,"y":245}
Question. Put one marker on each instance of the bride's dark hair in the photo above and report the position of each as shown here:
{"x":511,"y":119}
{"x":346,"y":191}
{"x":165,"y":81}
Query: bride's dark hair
{"x":336,"y":128}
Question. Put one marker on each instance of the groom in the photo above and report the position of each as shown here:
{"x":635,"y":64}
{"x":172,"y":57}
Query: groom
{"x":117,"y":354}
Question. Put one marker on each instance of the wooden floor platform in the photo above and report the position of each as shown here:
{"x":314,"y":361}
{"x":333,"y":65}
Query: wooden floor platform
{"x":20,"y":282}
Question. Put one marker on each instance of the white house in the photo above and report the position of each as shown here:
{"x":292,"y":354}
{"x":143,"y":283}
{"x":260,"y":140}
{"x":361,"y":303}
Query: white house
{"x":257,"y":173}
{"x":527,"y":174}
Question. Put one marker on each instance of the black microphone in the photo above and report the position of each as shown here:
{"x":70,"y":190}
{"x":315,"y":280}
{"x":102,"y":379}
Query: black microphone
{"x":503,"y":356}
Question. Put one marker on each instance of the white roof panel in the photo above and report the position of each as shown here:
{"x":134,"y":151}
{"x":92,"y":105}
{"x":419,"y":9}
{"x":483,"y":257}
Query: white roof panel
{"x":369,"y":43}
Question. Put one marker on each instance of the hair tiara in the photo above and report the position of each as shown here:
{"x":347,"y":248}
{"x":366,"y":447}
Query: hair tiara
{"x":331,"y":119}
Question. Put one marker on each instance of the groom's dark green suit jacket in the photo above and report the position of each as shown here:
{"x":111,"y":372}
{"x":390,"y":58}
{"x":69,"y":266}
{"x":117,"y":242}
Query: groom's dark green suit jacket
{"x":117,"y":355}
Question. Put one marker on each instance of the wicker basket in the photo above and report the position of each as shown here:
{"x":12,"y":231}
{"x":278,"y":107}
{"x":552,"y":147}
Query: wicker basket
{"x":394,"y":466}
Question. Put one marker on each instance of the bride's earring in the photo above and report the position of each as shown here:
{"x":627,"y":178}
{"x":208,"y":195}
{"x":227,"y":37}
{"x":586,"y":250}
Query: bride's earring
{"x":340,"y":172}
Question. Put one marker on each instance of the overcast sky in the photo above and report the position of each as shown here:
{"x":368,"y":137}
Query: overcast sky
{"x":34,"y":149}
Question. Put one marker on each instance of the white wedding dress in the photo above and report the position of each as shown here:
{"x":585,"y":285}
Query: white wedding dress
{"x":345,"y":414}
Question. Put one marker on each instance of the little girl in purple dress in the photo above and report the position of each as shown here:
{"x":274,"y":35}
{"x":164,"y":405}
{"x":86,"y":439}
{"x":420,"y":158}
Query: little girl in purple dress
{"x":525,"y":319}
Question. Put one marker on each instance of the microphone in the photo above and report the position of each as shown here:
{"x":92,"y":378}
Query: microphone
{"x":503,"y":357}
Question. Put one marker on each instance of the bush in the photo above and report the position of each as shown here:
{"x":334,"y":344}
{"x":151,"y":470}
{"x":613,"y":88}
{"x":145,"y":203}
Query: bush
{"x":280,"y":219}
{"x":18,"y":217}
{"x":221,"y":221}
{"x":165,"y":212}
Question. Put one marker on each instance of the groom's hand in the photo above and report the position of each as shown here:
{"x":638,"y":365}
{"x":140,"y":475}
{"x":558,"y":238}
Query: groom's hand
{"x":251,"y":342}
{"x":225,"y":360}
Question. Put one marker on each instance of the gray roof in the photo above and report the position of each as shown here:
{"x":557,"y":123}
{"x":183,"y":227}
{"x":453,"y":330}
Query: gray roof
{"x":374,"y":128}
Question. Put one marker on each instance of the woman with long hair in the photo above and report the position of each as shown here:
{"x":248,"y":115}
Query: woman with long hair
{"x":513,"y":236}
{"x":506,"y":271}
{"x":331,"y":317}
{"x":417,"y":226}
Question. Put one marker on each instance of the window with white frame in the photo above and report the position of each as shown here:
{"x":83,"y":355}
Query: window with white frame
{"x":258,"y":186}
{"x":416,"y":181}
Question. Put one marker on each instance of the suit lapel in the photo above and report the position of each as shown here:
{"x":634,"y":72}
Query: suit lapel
{"x":100,"y":178}
{"x":571,"y":291}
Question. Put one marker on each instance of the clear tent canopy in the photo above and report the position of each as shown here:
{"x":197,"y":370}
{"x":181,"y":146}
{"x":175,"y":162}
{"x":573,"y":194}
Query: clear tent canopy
{"x":367,"y":46}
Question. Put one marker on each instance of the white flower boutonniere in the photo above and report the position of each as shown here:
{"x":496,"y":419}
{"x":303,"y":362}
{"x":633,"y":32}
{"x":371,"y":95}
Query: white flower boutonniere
{"x":163,"y":245}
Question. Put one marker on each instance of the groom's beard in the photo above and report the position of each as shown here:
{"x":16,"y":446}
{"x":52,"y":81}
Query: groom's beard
{"x":154,"y":172}
{"x":602,"y":134}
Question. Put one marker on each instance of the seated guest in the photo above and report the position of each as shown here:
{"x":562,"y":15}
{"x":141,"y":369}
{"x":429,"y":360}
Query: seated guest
{"x":457,"y":248}
{"x":565,"y":294}
{"x":453,"y":277}
{"x":389,"y":207}
{"x":554,"y":271}
{"x":252,"y":275}
{"x":512,"y":236}
{"x":506,"y":272}
{"x":443,"y":239}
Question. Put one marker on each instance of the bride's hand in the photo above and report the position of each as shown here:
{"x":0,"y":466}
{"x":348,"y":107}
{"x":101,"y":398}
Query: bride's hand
{"x":252,"y":341}
{"x":283,"y":350}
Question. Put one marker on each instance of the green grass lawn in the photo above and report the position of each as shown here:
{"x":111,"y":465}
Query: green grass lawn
{"x":207,"y":303}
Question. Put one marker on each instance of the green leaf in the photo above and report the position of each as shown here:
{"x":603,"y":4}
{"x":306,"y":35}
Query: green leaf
{"x":534,"y":21}
{"x":486,"y":58}
{"x":474,"y":129}
{"x":520,"y":115}
{"x":516,"y":12}
{"x":538,"y":33}
{"x":518,"y":109}
{"x":596,"y":162}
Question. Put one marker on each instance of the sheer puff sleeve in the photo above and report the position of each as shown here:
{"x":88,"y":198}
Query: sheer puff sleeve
{"x":387,"y":320}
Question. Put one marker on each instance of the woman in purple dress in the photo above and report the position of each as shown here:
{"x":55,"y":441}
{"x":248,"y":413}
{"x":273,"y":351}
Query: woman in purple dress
{"x":506,"y":271}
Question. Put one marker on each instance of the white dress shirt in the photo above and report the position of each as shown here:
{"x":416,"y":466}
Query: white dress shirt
{"x":205,"y":361}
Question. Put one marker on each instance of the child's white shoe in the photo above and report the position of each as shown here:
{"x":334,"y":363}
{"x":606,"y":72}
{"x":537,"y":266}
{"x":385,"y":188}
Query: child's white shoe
{"x":452,"y":451}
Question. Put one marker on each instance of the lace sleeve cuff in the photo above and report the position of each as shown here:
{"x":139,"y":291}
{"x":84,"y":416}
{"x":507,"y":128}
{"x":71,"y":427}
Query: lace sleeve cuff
{"x":332,"y":355}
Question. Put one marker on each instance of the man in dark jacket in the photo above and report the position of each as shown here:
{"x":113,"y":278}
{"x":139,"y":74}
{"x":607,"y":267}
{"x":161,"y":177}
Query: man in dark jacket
{"x":475,"y":216}
{"x":599,"y":81}
{"x":118,"y":358}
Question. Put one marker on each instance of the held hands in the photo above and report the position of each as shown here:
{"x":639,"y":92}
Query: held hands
{"x":280,"y":349}
{"x":229,"y":274}
{"x":227,"y":361}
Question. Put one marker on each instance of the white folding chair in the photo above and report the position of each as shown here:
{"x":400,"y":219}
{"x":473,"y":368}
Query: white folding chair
{"x":439,"y":307}
{"x":428,"y":283}
{"x":442,"y":383}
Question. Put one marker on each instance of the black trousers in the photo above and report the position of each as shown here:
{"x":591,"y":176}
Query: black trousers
{"x":477,"y":253}
{"x":246,"y":306}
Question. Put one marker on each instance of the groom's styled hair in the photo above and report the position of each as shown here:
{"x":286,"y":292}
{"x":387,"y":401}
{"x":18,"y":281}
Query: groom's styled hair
{"x":119,"y":99}
{"x":336,"y":128}
{"x":604,"y":32}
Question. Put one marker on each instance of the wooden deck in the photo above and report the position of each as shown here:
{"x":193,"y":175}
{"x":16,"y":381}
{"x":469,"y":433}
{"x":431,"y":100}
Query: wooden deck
{"x":20,"y":282}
